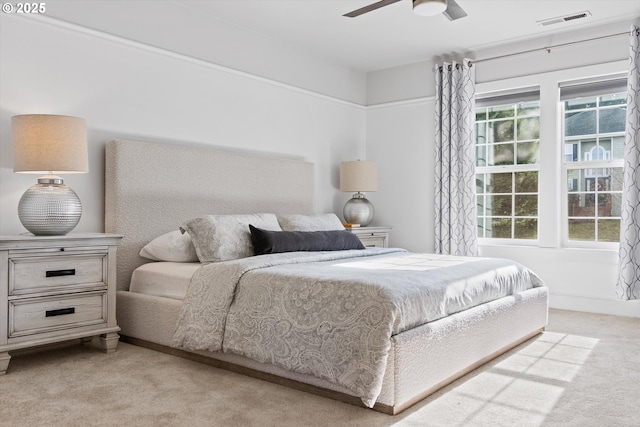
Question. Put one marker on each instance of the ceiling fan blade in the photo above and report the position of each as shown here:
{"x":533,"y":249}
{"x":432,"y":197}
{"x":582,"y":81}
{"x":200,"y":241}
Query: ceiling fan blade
{"x":369,"y":8}
{"x":454,"y":11}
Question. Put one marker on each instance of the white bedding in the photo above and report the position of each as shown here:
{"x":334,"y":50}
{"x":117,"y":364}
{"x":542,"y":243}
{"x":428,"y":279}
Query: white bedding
{"x":163,"y":279}
{"x":332,"y":314}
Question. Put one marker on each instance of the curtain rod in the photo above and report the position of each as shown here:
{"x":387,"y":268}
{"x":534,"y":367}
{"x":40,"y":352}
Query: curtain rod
{"x":548,"y":48}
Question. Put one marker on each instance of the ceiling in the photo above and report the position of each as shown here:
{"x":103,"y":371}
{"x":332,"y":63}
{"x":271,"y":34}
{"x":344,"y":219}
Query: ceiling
{"x":394,"y":35}
{"x":384,"y":38}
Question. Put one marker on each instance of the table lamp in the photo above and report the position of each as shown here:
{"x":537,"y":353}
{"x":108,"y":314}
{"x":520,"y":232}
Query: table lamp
{"x":51,"y":145}
{"x":358,"y":176}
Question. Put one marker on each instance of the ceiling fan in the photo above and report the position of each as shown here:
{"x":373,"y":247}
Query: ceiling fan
{"x":449,"y":8}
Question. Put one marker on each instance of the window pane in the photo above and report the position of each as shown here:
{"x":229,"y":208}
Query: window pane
{"x":512,"y":134}
{"x":480,"y":227}
{"x":582,"y":229}
{"x":528,"y":153}
{"x":571,"y":152}
{"x":613,"y":119}
{"x":617,"y":149}
{"x":582,"y":205}
{"x":499,"y":183}
{"x":591,"y":151}
{"x":616,"y":178}
{"x":526,"y":205}
{"x":526,"y":228}
{"x":481,"y":155}
{"x":608,"y":230}
{"x":573,"y":180}
{"x":614,"y":99}
{"x":609,"y":204}
{"x":501,"y":112}
{"x":580,"y":123}
{"x":579,"y":104}
{"x":529,"y":108}
{"x":526,"y":182}
{"x":481,"y":133}
{"x":480,"y":205}
{"x":500,"y":228}
{"x":480,"y":183}
{"x":501,"y":131}
{"x":529,"y":128}
{"x":498,"y":205}
{"x":500,"y":154}
{"x":616,"y":204}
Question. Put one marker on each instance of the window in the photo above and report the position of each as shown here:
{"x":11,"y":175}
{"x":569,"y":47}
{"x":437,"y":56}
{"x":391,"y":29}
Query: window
{"x":594,"y":117}
{"x":507,"y":164}
{"x":549,"y":158}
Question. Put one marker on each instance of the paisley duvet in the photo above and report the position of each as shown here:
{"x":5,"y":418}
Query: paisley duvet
{"x":332,"y":314}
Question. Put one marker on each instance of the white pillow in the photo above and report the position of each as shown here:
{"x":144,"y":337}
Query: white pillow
{"x":318,"y":222}
{"x":226,"y":237}
{"x":172,"y":246}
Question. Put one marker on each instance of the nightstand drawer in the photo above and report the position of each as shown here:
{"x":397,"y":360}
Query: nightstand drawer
{"x":42,"y":274}
{"x":36,"y":315}
{"x":372,"y":237}
{"x":373,"y":240}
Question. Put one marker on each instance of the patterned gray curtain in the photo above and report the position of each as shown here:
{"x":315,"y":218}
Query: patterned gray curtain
{"x":455,"y":197}
{"x":629,"y":255}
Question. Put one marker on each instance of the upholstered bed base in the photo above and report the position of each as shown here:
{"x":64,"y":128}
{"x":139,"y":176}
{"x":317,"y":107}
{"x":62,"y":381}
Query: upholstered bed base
{"x":421,"y":360}
{"x":152,"y":188}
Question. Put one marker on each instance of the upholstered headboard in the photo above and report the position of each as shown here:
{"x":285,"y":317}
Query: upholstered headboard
{"x":152,"y":188}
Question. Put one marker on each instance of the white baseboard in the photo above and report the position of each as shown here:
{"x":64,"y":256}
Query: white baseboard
{"x":595,"y":305}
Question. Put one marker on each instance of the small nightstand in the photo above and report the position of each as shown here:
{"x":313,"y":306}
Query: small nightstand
{"x":57,"y":288}
{"x":372,"y":237}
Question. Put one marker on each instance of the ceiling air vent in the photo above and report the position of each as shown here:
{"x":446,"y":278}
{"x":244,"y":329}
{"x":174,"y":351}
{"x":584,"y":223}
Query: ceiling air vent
{"x":567,"y":18}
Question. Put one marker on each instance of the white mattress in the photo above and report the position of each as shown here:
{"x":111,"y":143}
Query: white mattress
{"x":163,"y":279}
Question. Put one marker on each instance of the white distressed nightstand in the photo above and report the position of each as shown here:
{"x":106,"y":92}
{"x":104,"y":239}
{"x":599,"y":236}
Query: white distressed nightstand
{"x":57,"y":288}
{"x":372,"y":237}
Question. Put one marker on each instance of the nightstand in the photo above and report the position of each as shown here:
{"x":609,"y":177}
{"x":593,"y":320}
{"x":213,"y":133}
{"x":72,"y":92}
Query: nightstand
{"x":57,"y":288}
{"x":372,"y":237}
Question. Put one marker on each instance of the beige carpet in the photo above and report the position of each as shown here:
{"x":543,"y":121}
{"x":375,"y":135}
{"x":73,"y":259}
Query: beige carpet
{"x":583,"y":371}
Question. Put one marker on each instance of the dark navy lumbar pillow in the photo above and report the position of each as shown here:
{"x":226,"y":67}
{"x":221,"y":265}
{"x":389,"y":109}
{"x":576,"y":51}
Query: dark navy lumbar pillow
{"x":272,"y":242}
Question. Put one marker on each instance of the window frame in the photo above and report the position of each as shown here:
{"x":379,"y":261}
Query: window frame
{"x":583,"y":164}
{"x":510,"y":97}
{"x":552,"y":203}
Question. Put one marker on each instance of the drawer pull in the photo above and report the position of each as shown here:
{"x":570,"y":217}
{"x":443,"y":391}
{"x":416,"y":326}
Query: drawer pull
{"x":58,"y":273}
{"x":60,"y":312}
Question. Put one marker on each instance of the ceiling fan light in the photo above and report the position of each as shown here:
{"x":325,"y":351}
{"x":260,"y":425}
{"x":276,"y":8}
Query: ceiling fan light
{"x":429,"y":7}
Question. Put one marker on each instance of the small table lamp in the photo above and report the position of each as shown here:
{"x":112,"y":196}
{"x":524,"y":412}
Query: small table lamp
{"x":49,"y":144}
{"x":358,"y":176}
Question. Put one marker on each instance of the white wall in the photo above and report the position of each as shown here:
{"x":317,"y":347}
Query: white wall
{"x":212,"y":39}
{"x":400,"y":137}
{"x":130,"y":90}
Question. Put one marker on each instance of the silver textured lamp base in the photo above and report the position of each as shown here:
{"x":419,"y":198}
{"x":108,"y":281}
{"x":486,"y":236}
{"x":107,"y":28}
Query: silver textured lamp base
{"x":49,"y":208}
{"x":358,"y":210}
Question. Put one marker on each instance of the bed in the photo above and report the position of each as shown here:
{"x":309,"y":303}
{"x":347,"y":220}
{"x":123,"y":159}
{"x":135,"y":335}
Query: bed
{"x":151,"y":189}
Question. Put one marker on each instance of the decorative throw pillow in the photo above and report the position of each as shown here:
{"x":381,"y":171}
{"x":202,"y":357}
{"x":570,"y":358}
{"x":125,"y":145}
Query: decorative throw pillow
{"x":318,"y":222}
{"x":225,"y":237}
{"x":271,"y":242}
{"x":172,"y":246}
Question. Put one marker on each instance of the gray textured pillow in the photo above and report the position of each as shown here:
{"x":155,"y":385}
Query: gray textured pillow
{"x":318,"y":222}
{"x":225,"y":237}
